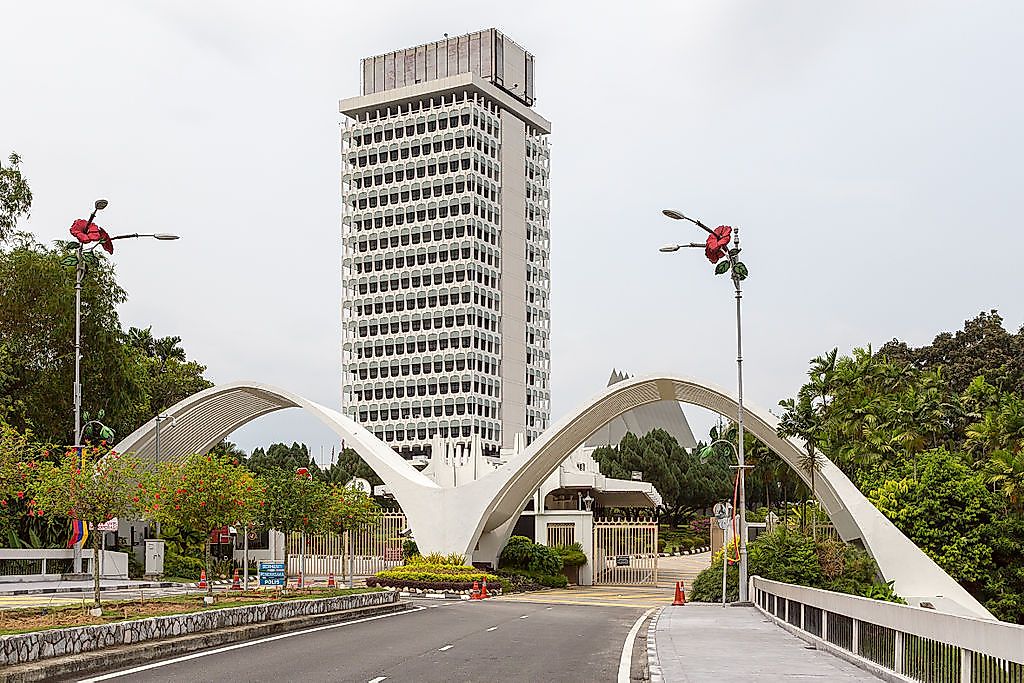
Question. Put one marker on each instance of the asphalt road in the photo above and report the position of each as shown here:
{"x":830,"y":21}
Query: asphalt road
{"x":448,"y":641}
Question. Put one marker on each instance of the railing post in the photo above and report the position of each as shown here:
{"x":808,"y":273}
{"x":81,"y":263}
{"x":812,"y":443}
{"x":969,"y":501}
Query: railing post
{"x":824,"y":625}
{"x":897,"y":662}
{"x":802,"y":611}
{"x":965,"y":665}
{"x":44,"y":566}
{"x":855,"y":641}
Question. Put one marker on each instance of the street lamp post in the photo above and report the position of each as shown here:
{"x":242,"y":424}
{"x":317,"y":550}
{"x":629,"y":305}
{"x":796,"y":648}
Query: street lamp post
{"x":715,"y":248}
{"x":156,"y":447}
{"x":88,"y":240}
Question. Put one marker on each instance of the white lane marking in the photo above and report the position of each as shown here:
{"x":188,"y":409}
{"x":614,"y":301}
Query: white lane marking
{"x":493,"y":628}
{"x":446,"y":647}
{"x":378,"y":679}
{"x":525,"y":616}
{"x":549,"y":608}
{"x":626,"y":659}
{"x":238,"y":646}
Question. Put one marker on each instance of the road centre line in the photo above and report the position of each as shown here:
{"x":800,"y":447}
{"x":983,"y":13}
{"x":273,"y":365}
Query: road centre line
{"x":378,"y":679}
{"x":525,"y":616}
{"x":626,"y":658}
{"x":446,"y":647}
{"x":493,"y":628}
{"x":238,"y":646}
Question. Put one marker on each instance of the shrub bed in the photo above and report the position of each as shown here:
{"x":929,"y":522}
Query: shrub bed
{"x":434,"y":577}
{"x":522,"y":580}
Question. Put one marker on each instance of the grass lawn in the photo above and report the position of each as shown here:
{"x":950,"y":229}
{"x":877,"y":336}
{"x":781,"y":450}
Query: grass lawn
{"x":43,"y":618}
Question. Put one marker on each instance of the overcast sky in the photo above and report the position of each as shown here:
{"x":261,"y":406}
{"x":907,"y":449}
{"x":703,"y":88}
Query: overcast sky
{"x":869,"y":152}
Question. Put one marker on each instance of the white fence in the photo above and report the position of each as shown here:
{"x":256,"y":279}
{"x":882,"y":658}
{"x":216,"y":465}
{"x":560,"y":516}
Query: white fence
{"x":917,"y":643}
{"x":367,"y":550}
{"x":51,"y":563}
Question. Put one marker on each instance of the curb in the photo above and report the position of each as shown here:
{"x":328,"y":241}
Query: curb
{"x":117,"y":658}
{"x":83,"y":589}
{"x":653,"y":662}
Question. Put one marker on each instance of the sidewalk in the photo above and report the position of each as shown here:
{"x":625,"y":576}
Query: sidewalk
{"x":34,"y":587}
{"x":698,"y":643}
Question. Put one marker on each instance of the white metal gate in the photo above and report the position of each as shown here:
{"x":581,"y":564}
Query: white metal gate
{"x":626,"y":552}
{"x":373,"y":549}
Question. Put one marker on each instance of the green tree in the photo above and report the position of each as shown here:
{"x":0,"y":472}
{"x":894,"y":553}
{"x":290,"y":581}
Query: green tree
{"x":37,"y":343}
{"x":204,"y":493}
{"x":281,"y":456}
{"x":15,"y":196}
{"x":293,"y":502}
{"x":94,"y":487}
{"x":349,"y":509}
{"x":685,"y":483}
{"x":348,"y":466}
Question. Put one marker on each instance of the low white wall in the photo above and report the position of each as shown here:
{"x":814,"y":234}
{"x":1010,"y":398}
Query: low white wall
{"x":113,"y":565}
{"x":994,"y":638}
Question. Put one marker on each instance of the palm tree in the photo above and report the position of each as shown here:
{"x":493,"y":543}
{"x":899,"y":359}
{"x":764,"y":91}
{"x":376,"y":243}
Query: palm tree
{"x":1006,"y":472}
{"x":802,"y":420}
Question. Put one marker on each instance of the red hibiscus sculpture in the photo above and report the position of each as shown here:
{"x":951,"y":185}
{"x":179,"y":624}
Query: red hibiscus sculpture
{"x":86,"y":232}
{"x":714,"y":248}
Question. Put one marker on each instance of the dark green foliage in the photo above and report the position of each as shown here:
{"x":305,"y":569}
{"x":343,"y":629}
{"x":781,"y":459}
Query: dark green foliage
{"x":15,"y":196}
{"x":572,"y":555}
{"x":793,"y":557}
{"x":934,"y":436}
{"x":37,"y":321}
{"x":685,"y":483}
{"x":522,"y":553}
{"x":520,"y":580}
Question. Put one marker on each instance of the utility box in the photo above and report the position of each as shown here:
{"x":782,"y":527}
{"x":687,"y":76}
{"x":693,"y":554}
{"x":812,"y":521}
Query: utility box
{"x":154,"y":557}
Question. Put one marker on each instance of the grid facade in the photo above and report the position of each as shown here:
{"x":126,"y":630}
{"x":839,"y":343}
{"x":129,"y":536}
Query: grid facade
{"x":426,"y":329}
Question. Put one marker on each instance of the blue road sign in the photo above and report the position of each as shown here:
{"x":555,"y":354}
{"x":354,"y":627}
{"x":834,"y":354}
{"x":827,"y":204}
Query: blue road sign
{"x":272,"y":574}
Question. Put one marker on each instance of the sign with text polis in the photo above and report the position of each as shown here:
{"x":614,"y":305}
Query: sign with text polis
{"x":271,"y":573}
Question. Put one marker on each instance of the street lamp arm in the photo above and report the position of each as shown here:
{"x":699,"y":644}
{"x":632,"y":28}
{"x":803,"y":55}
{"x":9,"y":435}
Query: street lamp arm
{"x":678,"y":215}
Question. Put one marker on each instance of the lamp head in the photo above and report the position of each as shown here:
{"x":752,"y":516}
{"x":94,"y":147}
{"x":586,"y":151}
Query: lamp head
{"x":101,"y":204}
{"x":673,"y":214}
{"x":668,"y":248}
{"x":165,"y":236}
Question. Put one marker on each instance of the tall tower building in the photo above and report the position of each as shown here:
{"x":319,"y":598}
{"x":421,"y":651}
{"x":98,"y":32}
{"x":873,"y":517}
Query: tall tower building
{"x":445,"y":270}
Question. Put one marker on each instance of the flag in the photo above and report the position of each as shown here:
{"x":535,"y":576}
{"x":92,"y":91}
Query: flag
{"x":79,"y":529}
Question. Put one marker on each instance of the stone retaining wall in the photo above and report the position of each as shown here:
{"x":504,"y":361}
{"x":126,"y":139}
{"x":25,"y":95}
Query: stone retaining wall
{"x":28,"y":647}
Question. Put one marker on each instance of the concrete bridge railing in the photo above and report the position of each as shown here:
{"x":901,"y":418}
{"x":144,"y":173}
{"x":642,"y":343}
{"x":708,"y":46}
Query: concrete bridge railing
{"x":915,"y":643}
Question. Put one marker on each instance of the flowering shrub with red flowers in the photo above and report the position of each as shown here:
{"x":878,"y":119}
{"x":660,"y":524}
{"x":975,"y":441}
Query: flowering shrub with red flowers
{"x":95,"y":485}
{"x":206,"y":492}
{"x":295,"y":503}
{"x":350,"y":509}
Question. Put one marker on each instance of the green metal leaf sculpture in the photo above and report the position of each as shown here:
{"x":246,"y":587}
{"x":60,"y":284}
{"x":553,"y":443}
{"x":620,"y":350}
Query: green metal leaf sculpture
{"x":721,"y":267}
{"x":740,"y":270}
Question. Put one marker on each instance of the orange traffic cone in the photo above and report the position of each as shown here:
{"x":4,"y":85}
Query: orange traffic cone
{"x":202,"y":579}
{"x":236,"y":584}
{"x":680,"y":598}
{"x":475,"y":593}
{"x":483,"y":591}
{"x":330,"y":581}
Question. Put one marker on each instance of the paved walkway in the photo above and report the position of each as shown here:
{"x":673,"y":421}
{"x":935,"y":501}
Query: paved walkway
{"x":699,"y":643}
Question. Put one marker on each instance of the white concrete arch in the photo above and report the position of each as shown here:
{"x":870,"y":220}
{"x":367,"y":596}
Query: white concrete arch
{"x":476,"y":518}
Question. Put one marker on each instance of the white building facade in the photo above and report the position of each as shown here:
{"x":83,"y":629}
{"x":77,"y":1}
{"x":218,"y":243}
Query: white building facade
{"x":445,"y":226}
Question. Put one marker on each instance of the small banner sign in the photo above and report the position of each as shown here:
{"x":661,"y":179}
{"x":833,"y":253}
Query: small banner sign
{"x":272,"y":574}
{"x":109,"y":525}
{"x":622,"y":560}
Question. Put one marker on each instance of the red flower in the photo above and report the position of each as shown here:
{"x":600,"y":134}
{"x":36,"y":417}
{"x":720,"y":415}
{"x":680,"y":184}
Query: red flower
{"x":86,"y":232}
{"x":714,"y":248}
{"x":108,"y":247}
{"x":21,"y":494}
